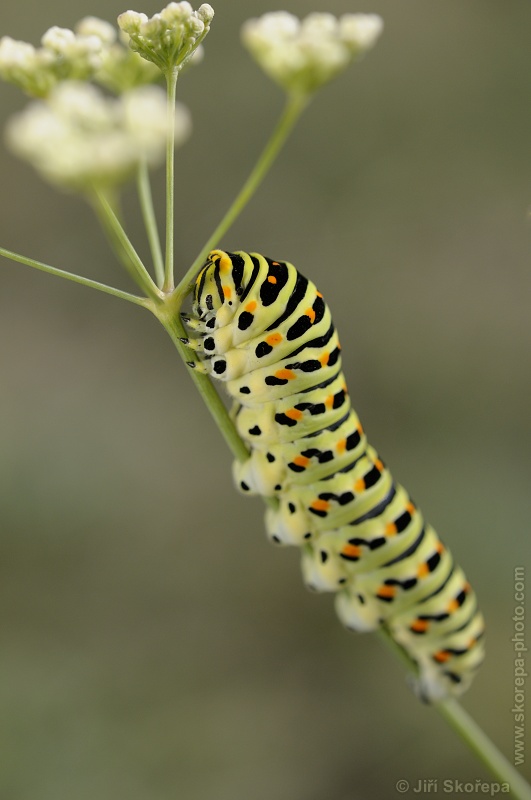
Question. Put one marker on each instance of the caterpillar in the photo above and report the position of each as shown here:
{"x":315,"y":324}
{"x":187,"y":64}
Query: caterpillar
{"x":263,"y":329}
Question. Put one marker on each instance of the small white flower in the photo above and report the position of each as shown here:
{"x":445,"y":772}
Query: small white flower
{"x":131,"y":21}
{"x":176,"y":12}
{"x":360,"y":31}
{"x":94,"y":26}
{"x":82,"y":106}
{"x":205,"y":13}
{"x":15,"y":54}
{"x":80,"y":138}
{"x":169,"y":38}
{"x":28,"y":68}
{"x":58,"y":39}
{"x":320,"y":25}
{"x":302,"y":56}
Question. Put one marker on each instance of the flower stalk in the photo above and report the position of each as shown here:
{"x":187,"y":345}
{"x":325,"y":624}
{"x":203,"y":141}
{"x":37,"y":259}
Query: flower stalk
{"x":124,"y":247}
{"x":71,"y":276}
{"x":150,"y":221}
{"x":171,"y":83}
{"x":293,"y":109}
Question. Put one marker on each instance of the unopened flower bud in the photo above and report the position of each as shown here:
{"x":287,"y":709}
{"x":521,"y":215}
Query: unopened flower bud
{"x":170,"y":38}
{"x":94,"y":26}
{"x":302,"y":56}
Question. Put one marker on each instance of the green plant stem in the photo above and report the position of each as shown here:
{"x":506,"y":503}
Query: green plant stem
{"x":150,"y":221}
{"x":482,"y":746}
{"x":124,"y":248}
{"x":70,"y":276}
{"x":176,"y":331}
{"x":469,"y":731}
{"x":171,"y":86}
{"x":294,"y":107}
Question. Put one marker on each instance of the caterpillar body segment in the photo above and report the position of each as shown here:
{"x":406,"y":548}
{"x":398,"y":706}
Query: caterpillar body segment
{"x":303,"y":461}
{"x":264,"y":329}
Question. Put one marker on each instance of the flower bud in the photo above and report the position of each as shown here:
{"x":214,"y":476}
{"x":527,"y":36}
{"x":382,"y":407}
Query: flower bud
{"x":170,"y":38}
{"x":94,"y":26}
{"x":302,"y":56}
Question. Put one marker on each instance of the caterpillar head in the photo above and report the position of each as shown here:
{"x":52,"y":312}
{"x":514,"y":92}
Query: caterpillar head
{"x":217,"y":288}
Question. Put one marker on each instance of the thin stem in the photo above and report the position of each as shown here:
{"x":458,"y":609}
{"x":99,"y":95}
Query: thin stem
{"x":176,"y":330}
{"x":124,"y":248}
{"x":482,"y":746}
{"x":171,"y":86}
{"x":171,"y":320}
{"x":292,"y":111}
{"x":150,"y":221}
{"x":469,"y":731}
{"x":70,"y":276}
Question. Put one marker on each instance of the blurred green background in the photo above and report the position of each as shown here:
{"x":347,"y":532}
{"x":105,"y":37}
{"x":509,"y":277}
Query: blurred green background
{"x":154,"y":645}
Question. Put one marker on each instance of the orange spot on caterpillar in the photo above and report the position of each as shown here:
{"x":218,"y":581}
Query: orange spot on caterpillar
{"x":251,"y":306}
{"x":324,"y":359}
{"x":386,"y":591}
{"x":453,"y":605}
{"x":379,"y":465}
{"x":423,"y":570}
{"x":419,"y":626}
{"x":318,"y":294}
{"x":359,"y":485}
{"x":390,"y":529}
{"x":411,"y":508}
{"x":310,"y":313}
{"x":320,"y":505}
{"x":294,"y":413}
{"x":227,"y":292}
{"x":440,"y":547}
{"x":441,"y":656}
{"x":360,"y":429}
{"x":329,"y":402}
{"x":351,"y":551}
{"x":271,"y":279}
{"x":301,"y":461}
{"x":341,"y":446}
{"x":285,"y":374}
{"x":274,"y":339}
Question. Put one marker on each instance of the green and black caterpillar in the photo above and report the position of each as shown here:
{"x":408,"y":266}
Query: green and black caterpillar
{"x":264,"y":329}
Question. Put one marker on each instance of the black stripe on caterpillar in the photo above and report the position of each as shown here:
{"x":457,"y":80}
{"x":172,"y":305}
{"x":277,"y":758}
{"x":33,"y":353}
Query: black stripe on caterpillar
{"x":264,"y":330}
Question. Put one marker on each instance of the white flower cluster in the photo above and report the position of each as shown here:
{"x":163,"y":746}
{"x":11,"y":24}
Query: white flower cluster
{"x":64,"y":55}
{"x":303,"y":55}
{"x":90,"y":51}
{"x":80,"y":139}
{"x":170,"y":38}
